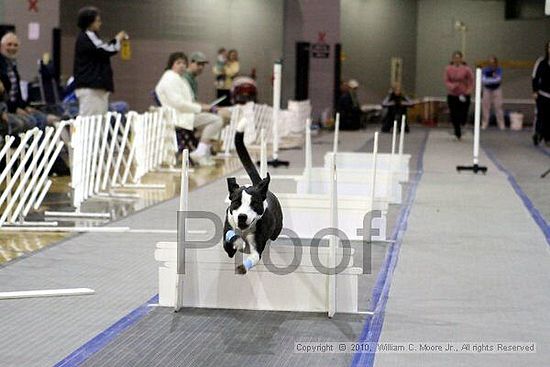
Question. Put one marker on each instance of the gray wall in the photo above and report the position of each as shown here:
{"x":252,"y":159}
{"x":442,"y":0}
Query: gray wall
{"x":16,"y":12}
{"x":159,"y":27}
{"x":488,"y":33}
{"x":293,"y":31}
{"x":304,"y":20}
{"x":374,"y":31}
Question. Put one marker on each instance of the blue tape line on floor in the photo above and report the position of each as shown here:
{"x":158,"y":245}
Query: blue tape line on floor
{"x":373,"y":326}
{"x":93,"y":346}
{"x":535,"y":214}
{"x":545,"y":151}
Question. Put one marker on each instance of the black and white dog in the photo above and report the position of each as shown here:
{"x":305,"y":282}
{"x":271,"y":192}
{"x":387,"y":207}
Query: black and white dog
{"x":254,"y":216}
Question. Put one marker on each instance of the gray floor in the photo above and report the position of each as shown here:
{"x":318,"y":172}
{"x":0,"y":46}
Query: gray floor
{"x":121,"y":268}
{"x":440,"y":243}
{"x":473,"y":266}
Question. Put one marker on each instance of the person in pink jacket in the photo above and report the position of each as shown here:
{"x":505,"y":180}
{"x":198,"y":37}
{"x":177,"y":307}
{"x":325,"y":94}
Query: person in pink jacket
{"x":459,"y":81}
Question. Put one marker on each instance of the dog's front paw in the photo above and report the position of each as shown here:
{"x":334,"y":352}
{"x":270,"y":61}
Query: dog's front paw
{"x":239,"y":244}
{"x":241,"y":269}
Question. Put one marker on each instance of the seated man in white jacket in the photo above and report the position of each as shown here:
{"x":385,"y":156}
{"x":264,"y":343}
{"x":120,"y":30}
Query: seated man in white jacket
{"x":174,"y":91}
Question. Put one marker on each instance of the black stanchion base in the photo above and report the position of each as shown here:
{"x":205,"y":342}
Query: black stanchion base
{"x":545,"y":173}
{"x":475,"y":168}
{"x":276,"y":163}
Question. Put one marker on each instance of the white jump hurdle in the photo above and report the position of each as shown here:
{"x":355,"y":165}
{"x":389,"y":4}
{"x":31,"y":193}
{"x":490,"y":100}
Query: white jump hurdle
{"x":206,"y":277}
{"x":316,"y":180}
{"x":398,"y":163}
{"x":26,"y":187}
{"x":311,"y":200}
{"x":316,"y":207}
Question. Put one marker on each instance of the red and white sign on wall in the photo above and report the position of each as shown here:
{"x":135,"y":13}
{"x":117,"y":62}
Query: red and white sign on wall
{"x":321,"y":49}
{"x":33,"y":5}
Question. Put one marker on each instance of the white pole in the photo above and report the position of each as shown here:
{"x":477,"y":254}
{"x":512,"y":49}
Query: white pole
{"x":121,"y":151}
{"x":95,"y":156}
{"x":309,"y":156}
{"x":114,"y":137}
{"x":35,"y":189}
{"x":68,"y":229}
{"x":14,"y":156}
{"x":42,"y":195}
{"x":46,"y":293}
{"x":309,"y":153}
{"x":263,"y":154}
{"x":277,"y":72}
{"x":22,"y":190}
{"x":183,"y":206}
{"x":402,"y":136}
{"x":88,"y":130}
{"x":477,"y":116}
{"x":131,"y":119}
{"x":394,"y":137}
{"x":184,"y":183}
{"x":8,"y":141}
{"x":336,"y":133}
{"x":373,"y":181}
{"x":15,"y":177}
{"x":333,"y":241}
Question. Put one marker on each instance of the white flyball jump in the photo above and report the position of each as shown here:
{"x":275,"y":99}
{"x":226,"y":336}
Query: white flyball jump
{"x":316,"y":206}
{"x":205,"y":277}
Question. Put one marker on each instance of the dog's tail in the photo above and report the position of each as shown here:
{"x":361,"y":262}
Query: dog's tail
{"x":242,"y":152}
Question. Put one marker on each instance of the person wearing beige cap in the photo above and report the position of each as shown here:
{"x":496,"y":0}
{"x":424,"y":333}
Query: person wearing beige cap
{"x":353,"y":84}
{"x":197,"y":61}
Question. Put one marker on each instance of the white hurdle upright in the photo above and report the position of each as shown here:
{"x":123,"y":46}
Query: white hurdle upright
{"x":399,"y":164}
{"x":477,"y":120}
{"x":180,"y":254}
{"x":277,"y":76}
{"x":205,"y":277}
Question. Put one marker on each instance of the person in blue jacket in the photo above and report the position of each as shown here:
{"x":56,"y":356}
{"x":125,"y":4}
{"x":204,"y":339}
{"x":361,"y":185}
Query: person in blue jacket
{"x":491,"y":79}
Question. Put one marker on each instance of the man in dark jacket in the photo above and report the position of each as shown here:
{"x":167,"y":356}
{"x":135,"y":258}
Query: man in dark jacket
{"x":396,"y":104}
{"x":92,"y":63}
{"x":9,"y":76}
{"x":541,"y":93}
{"x":348,"y":106}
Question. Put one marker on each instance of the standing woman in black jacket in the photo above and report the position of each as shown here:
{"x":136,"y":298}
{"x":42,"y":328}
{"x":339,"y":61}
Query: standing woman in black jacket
{"x":92,"y":64}
{"x":541,"y":93}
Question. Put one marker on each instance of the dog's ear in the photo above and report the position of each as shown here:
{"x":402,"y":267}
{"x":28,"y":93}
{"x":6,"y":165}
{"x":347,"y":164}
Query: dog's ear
{"x":263,"y":185}
{"x":232,"y":185}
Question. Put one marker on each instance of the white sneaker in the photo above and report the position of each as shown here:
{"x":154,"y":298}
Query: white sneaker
{"x":202,"y":160}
